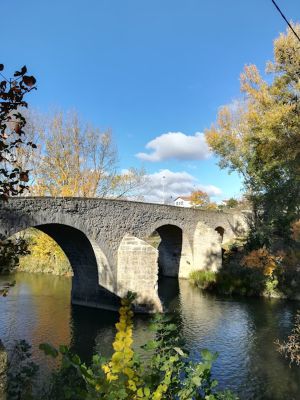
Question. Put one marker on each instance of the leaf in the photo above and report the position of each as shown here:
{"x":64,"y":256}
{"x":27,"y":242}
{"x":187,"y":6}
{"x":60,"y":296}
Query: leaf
{"x":29,"y":80}
{"x":196,"y":380}
{"x":208,"y":356}
{"x":63,"y":349}
{"x":179,"y":351}
{"x":151,"y":345}
{"x":23,"y":70}
{"x":48,"y":350}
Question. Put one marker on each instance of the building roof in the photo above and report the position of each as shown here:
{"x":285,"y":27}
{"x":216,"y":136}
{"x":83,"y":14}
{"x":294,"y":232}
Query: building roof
{"x":186,"y":198}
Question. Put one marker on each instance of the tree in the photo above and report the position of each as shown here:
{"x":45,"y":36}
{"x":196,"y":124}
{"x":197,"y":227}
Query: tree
{"x":13,"y":178}
{"x":76,"y":159}
{"x":232,"y":203}
{"x":199,"y":199}
{"x":259,"y":137}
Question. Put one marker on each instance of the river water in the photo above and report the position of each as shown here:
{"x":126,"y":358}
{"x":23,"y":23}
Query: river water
{"x":241,"y":330}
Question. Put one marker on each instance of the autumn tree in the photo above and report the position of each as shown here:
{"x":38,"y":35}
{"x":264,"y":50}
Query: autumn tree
{"x":232,"y":203}
{"x":259,"y":137}
{"x":199,"y":199}
{"x":76,"y":159}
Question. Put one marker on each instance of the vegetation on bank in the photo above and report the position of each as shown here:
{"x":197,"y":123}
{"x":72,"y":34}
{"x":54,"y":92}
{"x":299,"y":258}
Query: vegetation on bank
{"x":44,"y":255}
{"x":168,"y":372}
{"x":258,"y":272}
{"x":35,"y":252}
{"x":258,"y":136}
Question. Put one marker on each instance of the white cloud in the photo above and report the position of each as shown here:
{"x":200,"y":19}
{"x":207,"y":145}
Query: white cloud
{"x":176,"y":145}
{"x":167,"y":185}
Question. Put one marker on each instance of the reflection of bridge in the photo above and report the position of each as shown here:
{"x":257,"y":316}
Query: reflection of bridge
{"x":115,"y":246}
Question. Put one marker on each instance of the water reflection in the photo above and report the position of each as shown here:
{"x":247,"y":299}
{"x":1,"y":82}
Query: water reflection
{"x":242,"y":330}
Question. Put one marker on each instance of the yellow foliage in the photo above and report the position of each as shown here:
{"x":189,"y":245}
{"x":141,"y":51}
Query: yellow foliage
{"x":263,"y":260}
{"x":121,"y":361}
{"x":121,"y":365}
{"x":45,"y":255}
{"x":199,"y":199}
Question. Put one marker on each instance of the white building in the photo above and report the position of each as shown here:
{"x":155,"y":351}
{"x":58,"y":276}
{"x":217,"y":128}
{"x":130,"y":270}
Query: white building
{"x":183,"y":201}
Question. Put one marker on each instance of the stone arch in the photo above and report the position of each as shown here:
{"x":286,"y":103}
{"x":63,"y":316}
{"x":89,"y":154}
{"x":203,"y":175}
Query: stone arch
{"x":92,"y":282}
{"x":221,"y":231}
{"x":174,"y":250}
{"x":207,"y":248}
{"x":169,"y":250}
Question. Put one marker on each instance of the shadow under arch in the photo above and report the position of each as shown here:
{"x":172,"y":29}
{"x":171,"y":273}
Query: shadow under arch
{"x":221,"y":232}
{"x":168,"y":241}
{"x":87,"y":261}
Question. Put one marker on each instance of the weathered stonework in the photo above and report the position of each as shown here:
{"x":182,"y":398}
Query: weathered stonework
{"x":107,"y":242}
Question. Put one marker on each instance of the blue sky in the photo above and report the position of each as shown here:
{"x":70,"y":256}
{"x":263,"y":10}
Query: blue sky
{"x":145,"y":69}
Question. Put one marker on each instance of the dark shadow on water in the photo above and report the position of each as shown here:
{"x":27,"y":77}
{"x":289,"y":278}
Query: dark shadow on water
{"x":169,"y":250}
{"x":88,"y":324}
{"x":168,"y":291}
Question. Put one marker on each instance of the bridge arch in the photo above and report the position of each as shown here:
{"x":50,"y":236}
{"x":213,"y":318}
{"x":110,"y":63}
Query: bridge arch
{"x":221,"y":231}
{"x":174,"y":249}
{"x":92,"y":279}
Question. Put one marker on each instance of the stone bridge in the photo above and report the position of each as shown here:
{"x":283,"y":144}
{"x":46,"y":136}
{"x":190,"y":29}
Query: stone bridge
{"x":115,"y":246}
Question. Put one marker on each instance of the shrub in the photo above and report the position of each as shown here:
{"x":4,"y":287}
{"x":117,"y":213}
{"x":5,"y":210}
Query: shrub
{"x":204,"y":279}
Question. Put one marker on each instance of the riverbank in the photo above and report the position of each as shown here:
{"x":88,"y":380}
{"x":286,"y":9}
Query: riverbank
{"x":258,"y":273}
{"x":44,"y":255}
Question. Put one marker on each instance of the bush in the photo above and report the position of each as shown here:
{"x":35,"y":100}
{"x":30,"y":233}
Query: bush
{"x":204,"y":279}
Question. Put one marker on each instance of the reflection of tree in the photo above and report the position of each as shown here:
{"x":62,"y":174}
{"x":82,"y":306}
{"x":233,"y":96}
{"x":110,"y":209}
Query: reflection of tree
{"x":270,"y":319}
{"x":168,"y":290}
{"x":243,"y":331}
{"x":37,"y":311}
{"x":92,"y":328}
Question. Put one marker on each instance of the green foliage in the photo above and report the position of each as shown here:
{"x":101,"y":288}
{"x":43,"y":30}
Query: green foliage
{"x":232,"y":203}
{"x":255,"y":273}
{"x":22,"y":373}
{"x":204,"y":279}
{"x":10,"y":252}
{"x":258,"y":136}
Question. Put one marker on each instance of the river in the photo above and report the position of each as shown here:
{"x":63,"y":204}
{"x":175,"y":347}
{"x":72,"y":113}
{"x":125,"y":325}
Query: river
{"x":241,"y":330}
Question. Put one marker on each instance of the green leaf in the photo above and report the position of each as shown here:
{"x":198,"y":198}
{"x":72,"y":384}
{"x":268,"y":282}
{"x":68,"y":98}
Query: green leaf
{"x":48,"y":350}
{"x":179,"y":351}
{"x":208,"y":356}
{"x":196,"y":380}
